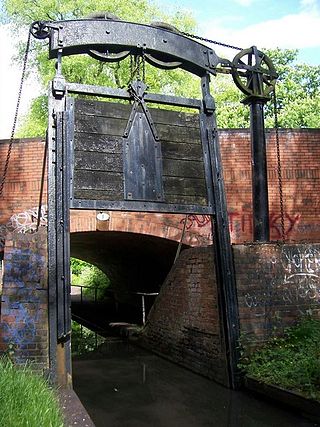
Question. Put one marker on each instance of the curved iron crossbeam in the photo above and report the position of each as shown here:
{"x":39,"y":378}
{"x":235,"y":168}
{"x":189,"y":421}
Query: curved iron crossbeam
{"x":116,"y":39}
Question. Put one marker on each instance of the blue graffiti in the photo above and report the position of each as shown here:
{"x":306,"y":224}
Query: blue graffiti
{"x":23,"y":274}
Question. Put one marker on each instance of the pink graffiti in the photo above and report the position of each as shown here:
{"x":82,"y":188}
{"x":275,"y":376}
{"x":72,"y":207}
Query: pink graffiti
{"x":242,"y":221}
{"x":198,"y":220}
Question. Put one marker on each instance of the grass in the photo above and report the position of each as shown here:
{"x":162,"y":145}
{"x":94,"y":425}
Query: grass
{"x":291,"y":362}
{"x":26,"y":400}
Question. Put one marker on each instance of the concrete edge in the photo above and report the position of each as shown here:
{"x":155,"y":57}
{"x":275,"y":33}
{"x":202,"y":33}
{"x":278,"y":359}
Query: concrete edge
{"x":306,"y":407}
{"x":73,"y":411}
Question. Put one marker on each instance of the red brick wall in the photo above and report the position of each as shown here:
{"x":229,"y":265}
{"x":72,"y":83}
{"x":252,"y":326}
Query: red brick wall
{"x":183,"y":324}
{"x":300,"y":153}
{"x":24,"y":301}
{"x":300,"y":159}
{"x":21,"y":191}
{"x":276,"y":284}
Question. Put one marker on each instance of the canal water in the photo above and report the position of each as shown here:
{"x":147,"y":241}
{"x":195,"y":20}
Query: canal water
{"x":125,"y":386}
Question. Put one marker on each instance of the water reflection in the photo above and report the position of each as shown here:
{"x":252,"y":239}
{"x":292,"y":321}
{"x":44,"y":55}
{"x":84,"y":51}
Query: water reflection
{"x":127,"y":387}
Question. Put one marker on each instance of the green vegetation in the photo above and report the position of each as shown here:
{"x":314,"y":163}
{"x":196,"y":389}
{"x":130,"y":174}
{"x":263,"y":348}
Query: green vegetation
{"x":83,"y":340}
{"x":298,"y":88}
{"x":291,"y":361}
{"x":83,"y":68}
{"x":26,"y":399}
{"x":90,"y":276}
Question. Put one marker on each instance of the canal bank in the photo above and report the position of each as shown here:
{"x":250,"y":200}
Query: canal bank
{"x":125,"y":386}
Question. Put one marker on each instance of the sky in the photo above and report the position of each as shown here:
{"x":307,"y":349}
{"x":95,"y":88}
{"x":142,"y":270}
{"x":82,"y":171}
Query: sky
{"x":293,"y":24}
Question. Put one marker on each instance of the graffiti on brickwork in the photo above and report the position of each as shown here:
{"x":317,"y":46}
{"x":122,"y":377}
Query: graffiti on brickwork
{"x":302,"y":274}
{"x":241,"y":222}
{"x":22,"y":332}
{"x":196,"y":220}
{"x":24,"y":266}
{"x":293,"y":278}
{"x":24,"y":222}
{"x":21,"y":314}
{"x":290,"y":222}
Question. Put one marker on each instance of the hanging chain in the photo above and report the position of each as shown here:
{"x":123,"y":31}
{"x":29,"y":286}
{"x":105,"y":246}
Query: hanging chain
{"x":203,"y":39}
{"x":137,"y":64}
{"x":23,"y":74}
{"x":276,"y":125}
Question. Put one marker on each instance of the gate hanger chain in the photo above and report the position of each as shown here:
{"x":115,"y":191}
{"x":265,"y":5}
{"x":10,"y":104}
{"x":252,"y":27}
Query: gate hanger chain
{"x":203,"y":39}
{"x":279,"y":169}
{"x":23,"y":74}
{"x":137,"y":90}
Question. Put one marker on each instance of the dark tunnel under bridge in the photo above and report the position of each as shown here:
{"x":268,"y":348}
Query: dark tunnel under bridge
{"x":134,"y":263}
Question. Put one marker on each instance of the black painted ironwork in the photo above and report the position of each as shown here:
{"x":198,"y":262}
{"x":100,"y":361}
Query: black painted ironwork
{"x":255,"y":75}
{"x":142,"y":151}
{"x":163,"y":47}
{"x":58,"y":228}
{"x":227,"y":292}
{"x":116,"y":37}
{"x":260,"y":202}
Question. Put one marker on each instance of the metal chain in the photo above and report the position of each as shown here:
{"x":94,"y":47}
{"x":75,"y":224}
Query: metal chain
{"x":136,"y":64}
{"x":193,"y":36}
{"x":276,"y":125}
{"x":23,"y":74}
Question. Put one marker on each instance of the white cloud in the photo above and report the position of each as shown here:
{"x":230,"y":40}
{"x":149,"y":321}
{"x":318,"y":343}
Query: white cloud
{"x":244,"y":3}
{"x":300,"y":30}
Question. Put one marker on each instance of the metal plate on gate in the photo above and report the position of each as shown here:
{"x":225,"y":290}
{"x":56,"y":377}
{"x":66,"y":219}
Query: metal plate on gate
{"x":142,"y":166}
{"x":136,"y":168}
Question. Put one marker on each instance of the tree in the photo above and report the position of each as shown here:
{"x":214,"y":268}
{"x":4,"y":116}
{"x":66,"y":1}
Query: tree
{"x":83,"y":68}
{"x":298,"y":88}
{"x":297,"y":92}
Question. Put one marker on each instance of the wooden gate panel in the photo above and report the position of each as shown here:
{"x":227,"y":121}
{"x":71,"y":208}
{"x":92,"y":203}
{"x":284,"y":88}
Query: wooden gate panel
{"x":101,"y":160}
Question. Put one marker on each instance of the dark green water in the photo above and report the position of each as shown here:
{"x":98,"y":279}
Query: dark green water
{"x":128,"y":387}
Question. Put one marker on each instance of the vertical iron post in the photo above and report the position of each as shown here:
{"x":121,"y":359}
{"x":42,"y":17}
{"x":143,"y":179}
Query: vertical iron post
{"x":260,"y":202}
{"x":225,"y":273}
{"x":58,"y":233}
{"x":254,"y":74}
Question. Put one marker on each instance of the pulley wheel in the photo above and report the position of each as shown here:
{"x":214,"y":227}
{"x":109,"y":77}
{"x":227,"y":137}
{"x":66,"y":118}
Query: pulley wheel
{"x":40,"y":30}
{"x":157,"y":60}
{"x":107,"y":56}
{"x":254,"y":73}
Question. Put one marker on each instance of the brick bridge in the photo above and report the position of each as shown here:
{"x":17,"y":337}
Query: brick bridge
{"x":300,"y":154}
{"x":140,"y":248}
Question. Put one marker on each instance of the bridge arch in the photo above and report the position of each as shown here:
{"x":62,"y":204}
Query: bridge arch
{"x":134,"y":262}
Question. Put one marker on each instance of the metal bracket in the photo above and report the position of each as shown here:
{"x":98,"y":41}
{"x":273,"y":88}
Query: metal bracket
{"x":58,"y":86}
{"x":137,"y":90}
{"x":209,"y":104}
